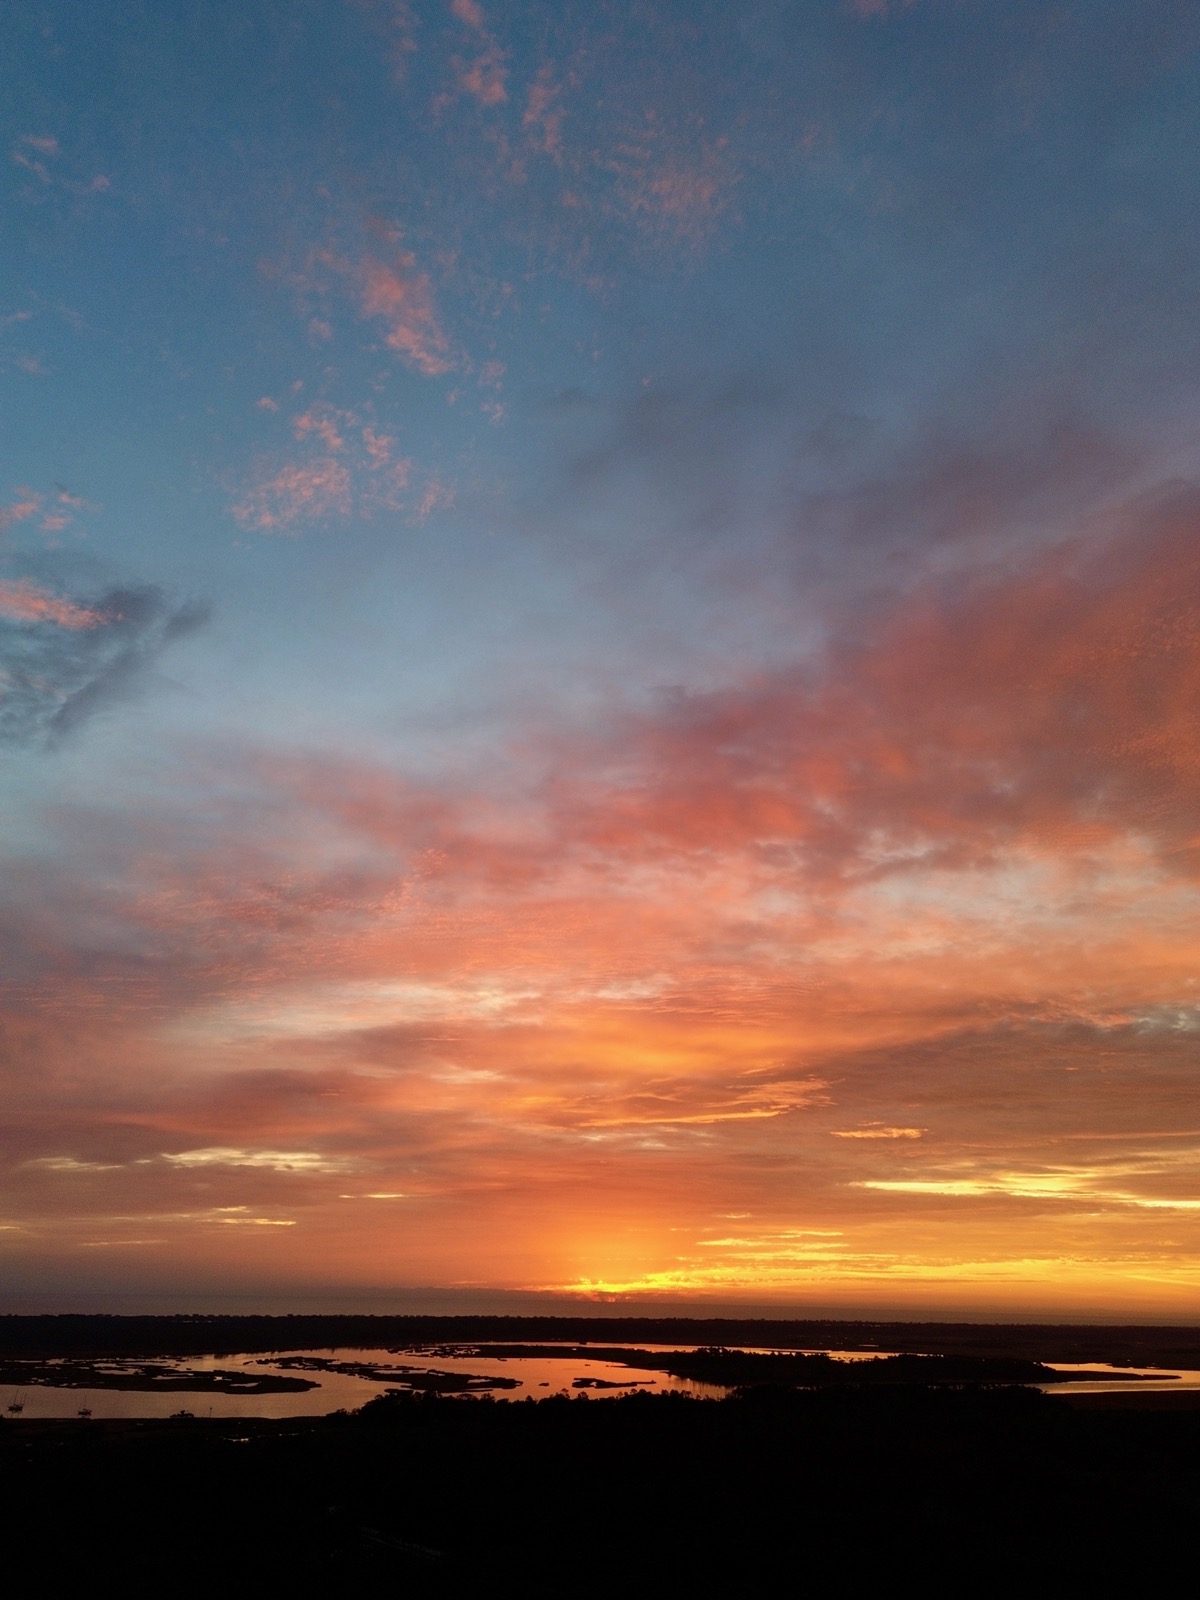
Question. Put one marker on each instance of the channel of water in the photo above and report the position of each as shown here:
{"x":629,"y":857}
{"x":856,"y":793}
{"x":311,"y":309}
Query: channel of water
{"x":537,"y":1377}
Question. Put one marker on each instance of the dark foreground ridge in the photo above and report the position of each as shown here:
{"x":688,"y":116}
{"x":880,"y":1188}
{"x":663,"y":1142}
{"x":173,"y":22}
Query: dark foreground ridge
{"x":932,"y":1490}
{"x":100,"y":1336}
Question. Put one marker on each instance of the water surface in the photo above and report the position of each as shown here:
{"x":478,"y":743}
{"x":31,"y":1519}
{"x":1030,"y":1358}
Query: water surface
{"x":537,"y":1377}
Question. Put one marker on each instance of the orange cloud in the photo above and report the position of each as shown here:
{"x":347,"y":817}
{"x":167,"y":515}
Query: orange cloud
{"x":891,"y":952}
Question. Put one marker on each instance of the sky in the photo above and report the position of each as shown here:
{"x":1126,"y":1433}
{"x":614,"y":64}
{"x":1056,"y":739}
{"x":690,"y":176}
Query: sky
{"x":600,"y":655}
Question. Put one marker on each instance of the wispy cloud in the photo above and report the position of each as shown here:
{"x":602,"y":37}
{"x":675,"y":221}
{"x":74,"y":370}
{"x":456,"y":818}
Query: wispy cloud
{"x":544,"y":112}
{"x":37,"y":151}
{"x":64,"y":662}
{"x":877,"y":1131}
{"x":299,"y":1161}
{"x":28,"y":602}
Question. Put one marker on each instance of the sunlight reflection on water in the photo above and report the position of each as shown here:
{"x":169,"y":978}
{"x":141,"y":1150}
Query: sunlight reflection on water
{"x":538,"y":1377}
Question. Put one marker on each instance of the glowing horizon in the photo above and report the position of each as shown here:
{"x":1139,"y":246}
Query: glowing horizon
{"x":600,"y":655}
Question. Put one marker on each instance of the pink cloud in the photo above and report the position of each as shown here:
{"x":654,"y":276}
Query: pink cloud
{"x":358,"y":471}
{"x":402,"y":297}
{"x":485,"y":77}
{"x":685,"y":195}
{"x":389,"y":477}
{"x":396,"y":23}
{"x":677,"y":190}
{"x":43,"y":145}
{"x":38,"y":168}
{"x":437,"y":495}
{"x":392,"y":289}
{"x":266,"y":403}
{"x":321,"y":422}
{"x":309,"y":491}
{"x":1046,"y":712}
{"x":469,"y":12}
{"x":543,"y":116}
{"x":20,"y":510}
{"x":27,"y":602}
{"x":378,"y":447}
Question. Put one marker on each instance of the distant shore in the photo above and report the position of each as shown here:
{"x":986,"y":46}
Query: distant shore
{"x":106,"y":1336}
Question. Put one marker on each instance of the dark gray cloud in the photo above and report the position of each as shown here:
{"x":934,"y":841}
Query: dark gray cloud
{"x":54,"y":679}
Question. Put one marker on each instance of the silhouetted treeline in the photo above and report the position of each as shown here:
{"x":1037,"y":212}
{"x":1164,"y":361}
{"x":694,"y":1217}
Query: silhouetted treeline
{"x":225,"y":1335}
{"x":933,"y":1491}
{"x":740,"y":1368}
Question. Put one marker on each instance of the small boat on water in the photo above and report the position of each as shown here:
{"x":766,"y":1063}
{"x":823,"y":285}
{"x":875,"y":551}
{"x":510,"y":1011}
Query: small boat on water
{"x":17,"y":1404}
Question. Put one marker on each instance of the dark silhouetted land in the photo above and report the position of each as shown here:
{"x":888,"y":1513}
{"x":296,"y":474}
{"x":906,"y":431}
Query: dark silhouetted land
{"x":97,"y":1336}
{"x":932,"y":1490}
{"x":936,"y":1469}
